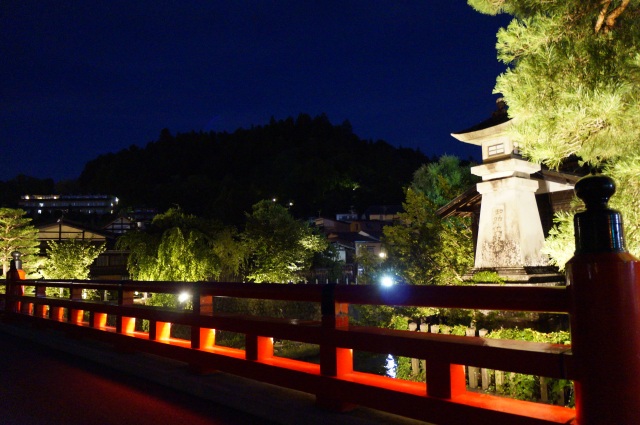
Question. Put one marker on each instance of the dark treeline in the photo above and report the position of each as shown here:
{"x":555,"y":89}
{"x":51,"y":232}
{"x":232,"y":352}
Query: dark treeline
{"x":12,"y":190}
{"x":318,"y":167}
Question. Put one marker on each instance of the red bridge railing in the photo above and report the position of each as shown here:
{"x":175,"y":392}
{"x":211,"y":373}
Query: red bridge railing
{"x":603,"y":285}
{"x":443,"y":399}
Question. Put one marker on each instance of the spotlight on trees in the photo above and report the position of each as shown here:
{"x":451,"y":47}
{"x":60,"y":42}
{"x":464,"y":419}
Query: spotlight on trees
{"x":387,"y":281}
{"x":184,"y":297}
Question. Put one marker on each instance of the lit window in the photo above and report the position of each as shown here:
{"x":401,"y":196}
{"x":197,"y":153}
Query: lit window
{"x":495,"y":149}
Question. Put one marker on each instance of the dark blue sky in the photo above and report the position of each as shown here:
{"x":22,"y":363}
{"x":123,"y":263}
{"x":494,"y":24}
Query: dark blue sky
{"x":83,"y":78}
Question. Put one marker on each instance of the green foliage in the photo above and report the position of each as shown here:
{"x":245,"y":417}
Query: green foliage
{"x":527,"y":387}
{"x":70,"y":259}
{"x":486,"y":276}
{"x":560,"y":337}
{"x":370,"y":268}
{"x":423,"y":248}
{"x":182,"y":247}
{"x":459,"y":330}
{"x":573,"y":80}
{"x":626,"y":173}
{"x":374,"y":315}
{"x":17,"y":234}
{"x":443,"y":180}
{"x":560,"y":244}
{"x":280,"y":247}
{"x":163,"y":300}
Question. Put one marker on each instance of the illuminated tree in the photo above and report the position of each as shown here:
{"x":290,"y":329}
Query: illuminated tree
{"x":181,"y":247}
{"x":573,"y":78}
{"x":70,"y":259}
{"x":280,"y":247}
{"x":572,"y":88}
{"x":424,"y":248}
{"x":17,"y":234}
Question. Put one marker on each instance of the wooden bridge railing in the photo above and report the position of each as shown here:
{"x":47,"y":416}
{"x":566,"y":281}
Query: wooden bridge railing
{"x":603,"y":284}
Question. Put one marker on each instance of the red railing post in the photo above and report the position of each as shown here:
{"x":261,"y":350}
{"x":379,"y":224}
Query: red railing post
{"x":13,"y":289}
{"x":125,"y":324}
{"x":604,"y":285}
{"x":334,"y":361}
{"x":75,"y":316}
{"x":40,"y":309}
{"x":202,"y":306}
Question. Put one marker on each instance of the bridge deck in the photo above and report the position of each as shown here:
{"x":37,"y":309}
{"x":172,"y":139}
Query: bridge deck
{"x":267,"y":403}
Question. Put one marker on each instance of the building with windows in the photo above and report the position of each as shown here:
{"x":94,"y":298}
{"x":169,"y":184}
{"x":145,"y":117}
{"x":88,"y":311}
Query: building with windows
{"x":36,"y":205}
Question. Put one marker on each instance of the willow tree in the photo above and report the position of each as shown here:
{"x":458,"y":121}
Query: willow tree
{"x":18,"y":234}
{"x":573,"y":88}
{"x":182,"y":247}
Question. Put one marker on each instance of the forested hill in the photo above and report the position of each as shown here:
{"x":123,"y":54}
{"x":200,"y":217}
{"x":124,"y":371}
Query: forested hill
{"x":319,"y":167}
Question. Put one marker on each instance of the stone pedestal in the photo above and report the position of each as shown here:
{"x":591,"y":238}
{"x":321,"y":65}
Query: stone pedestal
{"x":509,"y":233}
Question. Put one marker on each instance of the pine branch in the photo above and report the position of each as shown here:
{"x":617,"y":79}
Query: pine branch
{"x":602,"y":15}
{"x":611,"y":19}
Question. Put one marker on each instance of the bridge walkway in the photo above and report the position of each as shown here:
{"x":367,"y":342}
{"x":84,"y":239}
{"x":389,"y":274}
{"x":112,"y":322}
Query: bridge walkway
{"x":50,"y":379}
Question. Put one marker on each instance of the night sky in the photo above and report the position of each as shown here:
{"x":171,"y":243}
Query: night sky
{"x":84,"y":78}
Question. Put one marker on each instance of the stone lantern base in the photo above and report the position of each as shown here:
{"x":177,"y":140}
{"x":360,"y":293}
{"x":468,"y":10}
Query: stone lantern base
{"x":542,"y":276}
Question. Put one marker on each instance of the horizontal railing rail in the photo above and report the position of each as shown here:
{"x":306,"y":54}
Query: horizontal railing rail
{"x":443,"y":399}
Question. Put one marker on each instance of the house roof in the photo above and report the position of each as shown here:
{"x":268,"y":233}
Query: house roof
{"x":65,"y":229}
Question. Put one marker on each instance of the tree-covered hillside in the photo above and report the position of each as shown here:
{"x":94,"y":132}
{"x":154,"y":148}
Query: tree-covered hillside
{"x":316,"y":166}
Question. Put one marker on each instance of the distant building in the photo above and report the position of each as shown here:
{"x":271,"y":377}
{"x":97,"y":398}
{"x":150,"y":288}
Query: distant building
{"x":354,"y":237}
{"x":36,"y":205}
{"x":383,"y":212}
{"x":110,"y":265}
{"x":121,"y":225}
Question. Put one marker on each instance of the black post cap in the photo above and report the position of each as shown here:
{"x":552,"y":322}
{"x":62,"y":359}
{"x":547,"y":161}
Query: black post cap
{"x":599,"y":228}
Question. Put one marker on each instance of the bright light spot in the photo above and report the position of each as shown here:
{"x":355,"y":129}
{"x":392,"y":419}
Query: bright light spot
{"x":391,"y":366}
{"x":382,"y":254}
{"x":183,"y":297}
{"x":387,"y":281}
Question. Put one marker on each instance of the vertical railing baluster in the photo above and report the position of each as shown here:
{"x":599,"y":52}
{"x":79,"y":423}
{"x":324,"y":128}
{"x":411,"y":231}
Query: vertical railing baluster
{"x":125,"y":324}
{"x":76,"y":316}
{"x":334,"y":361}
{"x":604,"y":283}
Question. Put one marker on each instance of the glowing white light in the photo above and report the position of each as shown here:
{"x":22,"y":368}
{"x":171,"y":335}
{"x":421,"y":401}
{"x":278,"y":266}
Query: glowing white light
{"x":391,"y":366}
{"x":387,"y":281}
{"x":183,"y":297}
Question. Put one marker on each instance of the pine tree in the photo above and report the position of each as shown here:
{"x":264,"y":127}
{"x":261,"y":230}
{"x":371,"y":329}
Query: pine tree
{"x":17,"y":234}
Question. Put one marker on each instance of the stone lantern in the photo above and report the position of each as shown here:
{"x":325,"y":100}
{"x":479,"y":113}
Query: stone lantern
{"x":510,"y":235}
